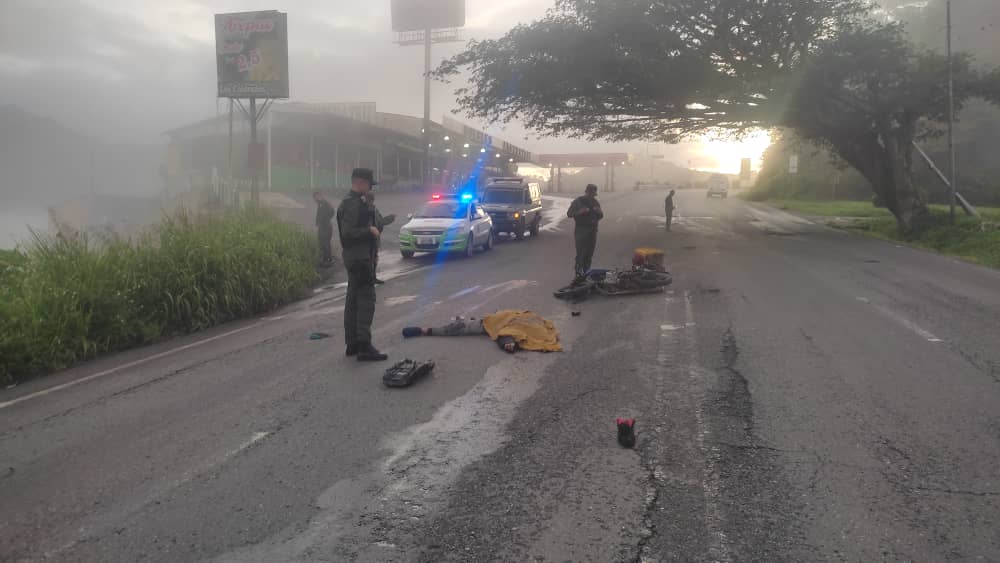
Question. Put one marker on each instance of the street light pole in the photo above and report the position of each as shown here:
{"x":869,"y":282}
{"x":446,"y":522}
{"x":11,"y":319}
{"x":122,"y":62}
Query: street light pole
{"x":427,"y":106}
{"x":951,"y":118}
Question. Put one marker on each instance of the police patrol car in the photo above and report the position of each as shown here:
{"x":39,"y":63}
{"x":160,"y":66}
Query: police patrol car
{"x":447,"y":224}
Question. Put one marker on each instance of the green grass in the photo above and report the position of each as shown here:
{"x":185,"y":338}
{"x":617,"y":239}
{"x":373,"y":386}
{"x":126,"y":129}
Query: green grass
{"x":966,"y":239}
{"x":843,"y":208}
{"x":63,"y":301}
{"x":830,"y":208}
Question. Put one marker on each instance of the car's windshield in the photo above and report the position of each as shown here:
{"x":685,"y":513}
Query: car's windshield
{"x":442,"y":210}
{"x":503,"y":196}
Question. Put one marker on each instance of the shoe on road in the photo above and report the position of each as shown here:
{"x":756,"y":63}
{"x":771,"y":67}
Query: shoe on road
{"x":406,"y":373}
{"x":368,"y":353}
{"x":352,"y":350}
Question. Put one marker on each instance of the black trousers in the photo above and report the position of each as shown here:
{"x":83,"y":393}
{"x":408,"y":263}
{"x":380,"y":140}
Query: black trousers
{"x":324,"y":235}
{"x":586,"y":243}
{"x":359,"y":309}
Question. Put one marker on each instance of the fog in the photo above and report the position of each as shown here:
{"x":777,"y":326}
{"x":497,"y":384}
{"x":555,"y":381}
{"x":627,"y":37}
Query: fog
{"x":109,"y":74}
{"x":107,"y":78}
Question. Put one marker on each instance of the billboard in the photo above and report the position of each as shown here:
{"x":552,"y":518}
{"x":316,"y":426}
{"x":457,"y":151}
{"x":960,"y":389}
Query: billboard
{"x":418,"y":15}
{"x":252,"y":54}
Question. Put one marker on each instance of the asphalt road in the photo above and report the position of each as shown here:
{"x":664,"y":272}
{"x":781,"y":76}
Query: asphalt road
{"x":801,"y":394}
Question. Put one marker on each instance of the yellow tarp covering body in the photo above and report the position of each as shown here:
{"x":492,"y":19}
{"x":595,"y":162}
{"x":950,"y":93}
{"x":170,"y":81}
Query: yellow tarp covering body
{"x":531,"y":331}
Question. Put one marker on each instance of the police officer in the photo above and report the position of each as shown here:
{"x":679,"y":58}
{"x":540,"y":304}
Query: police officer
{"x":358,"y":236}
{"x":586,"y":211}
{"x":324,"y":230}
{"x":668,"y":208}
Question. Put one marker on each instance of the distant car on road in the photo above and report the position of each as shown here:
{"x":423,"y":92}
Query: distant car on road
{"x":447,"y":224}
{"x":718,"y":186}
{"x":514,"y":205}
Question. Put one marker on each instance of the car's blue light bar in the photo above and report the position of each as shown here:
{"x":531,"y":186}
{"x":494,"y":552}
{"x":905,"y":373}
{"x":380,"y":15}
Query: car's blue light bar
{"x":466,"y":197}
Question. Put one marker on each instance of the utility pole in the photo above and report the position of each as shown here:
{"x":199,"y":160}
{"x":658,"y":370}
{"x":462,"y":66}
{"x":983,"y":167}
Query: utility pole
{"x":951,"y":118}
{"x":427,"y":37}
{"x":427,"y":105}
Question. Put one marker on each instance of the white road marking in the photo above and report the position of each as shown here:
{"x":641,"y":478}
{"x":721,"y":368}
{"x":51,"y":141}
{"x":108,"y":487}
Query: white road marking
{"x":133,"y":364}
{"x":675,"y":327}
{"x":672,"y":344}
{"x":912,"y":326}
{"x":257,"y":436}
{"x":465,"y":291}
{"x":393,"y":301}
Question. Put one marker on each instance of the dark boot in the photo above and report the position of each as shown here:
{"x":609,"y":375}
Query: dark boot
{"x":368,"y":353}
{"x":352,"y":350}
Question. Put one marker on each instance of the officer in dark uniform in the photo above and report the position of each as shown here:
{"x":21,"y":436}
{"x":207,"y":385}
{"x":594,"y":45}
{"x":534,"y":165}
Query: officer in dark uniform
{"x":324,"y":229}
{"x":358,"y":236}
{"x":586,"y":211}
{"x":668,"y":208}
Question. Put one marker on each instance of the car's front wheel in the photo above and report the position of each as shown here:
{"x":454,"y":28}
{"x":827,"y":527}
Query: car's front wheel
{"x":489,"y":242}
{"x":407,"y":253}
{"x":470,"y":248}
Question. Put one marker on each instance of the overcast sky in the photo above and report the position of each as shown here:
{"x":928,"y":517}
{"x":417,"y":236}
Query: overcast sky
{"x":128,"y":70}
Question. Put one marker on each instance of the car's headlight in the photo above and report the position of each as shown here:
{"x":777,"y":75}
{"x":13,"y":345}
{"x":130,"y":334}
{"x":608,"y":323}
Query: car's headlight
{"x":517,"y":215}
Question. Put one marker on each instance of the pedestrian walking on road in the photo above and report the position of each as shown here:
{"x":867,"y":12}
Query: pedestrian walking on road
{"x":587,"y":213}
{"x":324,"y":228}
{"x":358,"y":236}
{"x":668,"y":208}
{"x":380,"y":221}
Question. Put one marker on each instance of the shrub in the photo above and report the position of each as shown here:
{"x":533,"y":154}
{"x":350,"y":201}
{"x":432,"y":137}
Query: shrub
{"x":67,"y":300}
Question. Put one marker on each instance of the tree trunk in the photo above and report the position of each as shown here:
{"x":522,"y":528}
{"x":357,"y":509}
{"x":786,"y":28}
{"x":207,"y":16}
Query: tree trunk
{"x":905,"y":203}
{"x":886,"y":161}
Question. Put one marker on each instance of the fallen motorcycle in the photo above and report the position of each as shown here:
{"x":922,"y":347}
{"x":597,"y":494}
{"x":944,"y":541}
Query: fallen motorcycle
{"x":614,"y":282}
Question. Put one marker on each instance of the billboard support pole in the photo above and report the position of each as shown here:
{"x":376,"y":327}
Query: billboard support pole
{"x":229,"y":164}
{"x":427,"y":104}
{"x":254,"y":195}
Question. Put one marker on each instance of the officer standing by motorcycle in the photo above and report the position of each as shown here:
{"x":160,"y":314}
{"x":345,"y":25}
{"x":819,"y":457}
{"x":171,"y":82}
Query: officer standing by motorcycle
{"x":586,"y":212}
{"x":358,"y":236}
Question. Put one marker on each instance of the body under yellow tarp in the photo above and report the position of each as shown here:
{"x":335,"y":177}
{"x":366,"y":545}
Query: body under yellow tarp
{"x":531,"y":331}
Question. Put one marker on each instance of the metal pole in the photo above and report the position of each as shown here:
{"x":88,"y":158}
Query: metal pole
{"x":951,"y":119}
{"x":312,"y":162}
{"x":230,"y":162}
{"x":254,"y":188}
{"x":427,"y":104}
{"x":336,"y":166}
{"x":270,"y":122}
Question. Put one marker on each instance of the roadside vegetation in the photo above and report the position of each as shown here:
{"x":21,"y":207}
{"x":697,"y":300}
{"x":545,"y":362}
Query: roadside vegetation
{"x":66,"y":300}
{"x":973,"y":240}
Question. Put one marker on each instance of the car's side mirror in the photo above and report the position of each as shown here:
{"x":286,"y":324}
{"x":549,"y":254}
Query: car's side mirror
{"x":409,"y":215}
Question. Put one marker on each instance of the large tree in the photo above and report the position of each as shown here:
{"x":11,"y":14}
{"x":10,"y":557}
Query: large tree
{"x":830,"y":70}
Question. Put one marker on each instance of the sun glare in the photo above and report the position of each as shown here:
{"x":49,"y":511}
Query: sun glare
{"x":718,"y":155}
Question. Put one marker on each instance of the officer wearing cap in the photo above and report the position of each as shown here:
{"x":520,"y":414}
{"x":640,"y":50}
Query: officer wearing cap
{"x":358,"y":236}
{"x":586,"y":212}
